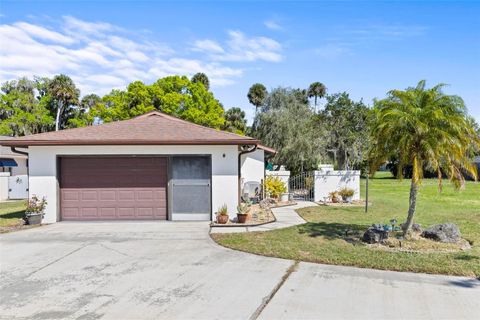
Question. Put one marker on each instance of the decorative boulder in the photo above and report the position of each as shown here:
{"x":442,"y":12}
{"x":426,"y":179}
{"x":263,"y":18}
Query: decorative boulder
{"x":416,"y":227}
{"x":375,"y":235}
{"x":444,"y":232}
{"x":266,"y":203}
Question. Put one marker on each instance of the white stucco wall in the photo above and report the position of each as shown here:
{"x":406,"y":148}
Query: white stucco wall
{"x":328,"y":181}
{"x":43,"y":170}
{"x":253,"y":166}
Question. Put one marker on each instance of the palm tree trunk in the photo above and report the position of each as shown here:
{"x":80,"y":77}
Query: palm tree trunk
{"x":57,"y":118}
{"x":411,"y":207}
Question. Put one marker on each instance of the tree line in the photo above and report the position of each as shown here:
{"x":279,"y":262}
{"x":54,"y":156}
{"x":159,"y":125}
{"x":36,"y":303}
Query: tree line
{"x":307,"y":126}
{"x":41,"y":104}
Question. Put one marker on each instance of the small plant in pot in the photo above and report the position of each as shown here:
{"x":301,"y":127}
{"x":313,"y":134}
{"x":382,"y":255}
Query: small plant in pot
{"x":334,"y":196}
{"x":222,"y":214}
{"x":242,"y":212}
{"x":35,"y":210}
{"x":346,"y":194}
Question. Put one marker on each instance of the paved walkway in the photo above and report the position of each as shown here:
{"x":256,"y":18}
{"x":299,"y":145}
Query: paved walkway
{"x":286,"y":217}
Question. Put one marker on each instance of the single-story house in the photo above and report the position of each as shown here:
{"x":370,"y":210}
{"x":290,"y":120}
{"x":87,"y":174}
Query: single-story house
{"x":13,"y":173}
{"x":152,"y":167}
{"x":13,"y":163}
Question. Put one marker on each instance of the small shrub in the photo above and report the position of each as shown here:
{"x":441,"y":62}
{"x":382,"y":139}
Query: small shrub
{"x":333,"y":196}
{"x":274,"y":186}
{"x":243,"y":208}
{"x":223,"y":211}
{"x":346,"y":192}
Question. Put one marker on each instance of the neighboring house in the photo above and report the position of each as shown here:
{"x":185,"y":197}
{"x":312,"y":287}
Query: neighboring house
{"x":153,"y":166}
{"x":13,"y":173}
{"x":14,"y":163}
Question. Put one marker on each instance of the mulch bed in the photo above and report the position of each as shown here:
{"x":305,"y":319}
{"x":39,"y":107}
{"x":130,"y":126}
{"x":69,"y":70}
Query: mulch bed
{"x":355,"y":203}
{"x":257,"y":216}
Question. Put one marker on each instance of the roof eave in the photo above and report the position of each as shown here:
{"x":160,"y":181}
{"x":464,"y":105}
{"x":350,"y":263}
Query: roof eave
{"x":26,"y":143}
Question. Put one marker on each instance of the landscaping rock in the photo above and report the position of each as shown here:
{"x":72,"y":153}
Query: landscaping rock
{"x":416,"y":227}
{"x":266,"y":203}
{"x":374,"y":235}
{"x":444,"y":232}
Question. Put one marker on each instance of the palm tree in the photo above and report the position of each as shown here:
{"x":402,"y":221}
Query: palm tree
{"x":424,"y":128}
{"x":317,"y":90}
{"x":235,"y":121}
{"x":202,"y":78}
{"x":64,"y":93}
{"x":257,"y":95}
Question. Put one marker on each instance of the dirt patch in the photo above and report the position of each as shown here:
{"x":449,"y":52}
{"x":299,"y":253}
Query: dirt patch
{"x":17,"y":227}
{"x":355,"y":203}
{"x":256,"y":216}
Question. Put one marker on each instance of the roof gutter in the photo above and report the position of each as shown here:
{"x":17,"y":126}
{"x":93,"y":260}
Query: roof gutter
{"x":18,"y":151}
{"x":250,"y":150}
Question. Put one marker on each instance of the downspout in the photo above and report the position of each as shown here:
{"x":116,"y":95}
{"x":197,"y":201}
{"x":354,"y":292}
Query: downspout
{"x":19,"y":152}
{"x":240,"y":169}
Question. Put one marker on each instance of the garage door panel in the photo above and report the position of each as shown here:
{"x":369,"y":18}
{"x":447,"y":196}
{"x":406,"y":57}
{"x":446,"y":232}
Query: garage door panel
{"x":89,"y":212}
{"x":96,"y":188}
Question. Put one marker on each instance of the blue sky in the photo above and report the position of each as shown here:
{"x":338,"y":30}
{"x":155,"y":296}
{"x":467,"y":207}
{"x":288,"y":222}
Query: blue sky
{"x":364,"y":48}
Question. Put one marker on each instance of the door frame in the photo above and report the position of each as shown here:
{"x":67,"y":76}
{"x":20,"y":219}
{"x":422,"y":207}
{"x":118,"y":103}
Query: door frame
{"x":170,"y":186}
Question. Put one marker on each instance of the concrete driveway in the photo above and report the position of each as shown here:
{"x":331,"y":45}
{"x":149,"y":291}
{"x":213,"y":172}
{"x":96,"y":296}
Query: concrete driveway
{"x":165,"y":270}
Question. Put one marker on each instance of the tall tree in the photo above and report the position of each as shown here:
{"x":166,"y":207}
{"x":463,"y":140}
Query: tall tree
{"x":256,"y":95}
{"x":173,"y":95}
{"x":86,"y":112}
{"x":235,"y":121}
{"x":21,"y":112}
{"x":317,"y":90}
{"x":64,"y":95}
{"x":424,"y":128}
{"x":286,"y":123}
{"x":347,"y":123}
{"x":202,"y":78}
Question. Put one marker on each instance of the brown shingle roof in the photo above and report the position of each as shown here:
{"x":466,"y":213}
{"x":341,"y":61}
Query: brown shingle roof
{"x":154,"y":128}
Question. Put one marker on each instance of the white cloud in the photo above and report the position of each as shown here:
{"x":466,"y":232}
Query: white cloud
{"x":272,"y":25}
{"x":100,"y":56}
{"x":240,"y":48}
{"x":208,"y":46}
{"x":43,"y":33}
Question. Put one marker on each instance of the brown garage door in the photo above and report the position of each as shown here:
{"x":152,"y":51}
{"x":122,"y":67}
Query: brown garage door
{"x":113,"y":188}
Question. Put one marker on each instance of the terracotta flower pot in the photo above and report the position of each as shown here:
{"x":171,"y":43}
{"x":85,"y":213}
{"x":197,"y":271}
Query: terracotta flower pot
{"x":242,"y":217}
{"x":222,"y":218}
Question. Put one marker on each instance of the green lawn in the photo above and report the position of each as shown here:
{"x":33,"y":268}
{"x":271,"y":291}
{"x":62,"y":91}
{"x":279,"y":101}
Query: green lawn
{"x":11,"y":212}
{"x":322,"y":238}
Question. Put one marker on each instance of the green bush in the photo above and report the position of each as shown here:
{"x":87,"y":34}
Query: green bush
{"x":274,"y":186}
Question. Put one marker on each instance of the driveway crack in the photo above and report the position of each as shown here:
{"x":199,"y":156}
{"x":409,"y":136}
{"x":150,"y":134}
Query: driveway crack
{"x":272,"y":293}
{"x":56,"y":260}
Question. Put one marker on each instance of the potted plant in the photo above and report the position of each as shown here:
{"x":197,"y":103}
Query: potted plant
{"x":35,"y":210}
{"x":242,"y":212}
{"x":346,"y":194}
{"x":333,"y":196}
{"x":222,"y":214}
